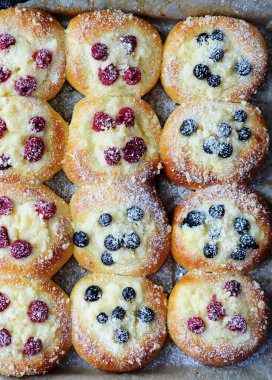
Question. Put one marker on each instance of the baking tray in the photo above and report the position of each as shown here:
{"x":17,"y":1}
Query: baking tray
{"x":171,"y":362}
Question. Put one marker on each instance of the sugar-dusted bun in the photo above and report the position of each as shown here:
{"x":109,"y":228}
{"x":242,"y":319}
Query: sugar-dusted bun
{"x":111,"y":137}
{"x":119,"y":322}
{"x":217,"y":319}
{"x":35,"y":326}
{"x":32,"y":53}
{"x":35,"y":231}
{"x":225,"y":228}
{"x":32,"y":140}
{"x":120,"y":229}
{"x":112,"y":53}
{"x":208,"y":143}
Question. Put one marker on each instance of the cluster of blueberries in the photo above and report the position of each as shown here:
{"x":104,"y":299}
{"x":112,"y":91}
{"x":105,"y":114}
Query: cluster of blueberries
{"x":113,"y":243}
{"x":201,"y":71}
{"x":212,"y":145}
{"x":144,"y":314}
{"x":241,"y":225}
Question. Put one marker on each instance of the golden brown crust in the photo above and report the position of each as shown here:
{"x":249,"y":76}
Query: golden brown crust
{"x":247,"y":201}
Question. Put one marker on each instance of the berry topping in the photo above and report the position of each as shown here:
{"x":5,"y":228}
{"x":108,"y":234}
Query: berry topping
{"x":102,"y":122}
{"x":210,"y":250}
{"x":126,"y":116}
{"x":214,"y":233}
{"x":46,"y":209}
{"x":112,"y":243}
{"x":217,"y":35}
{"x":188,"y":127}
{"x":109,"y":75}
{"x":243,"y":67}
{"x":217,"y":54}
{"x":201,"y":38}
{"x":4,"y":74}
{"x":215,"y":310}
{"x":6,"y":205}
{"x":37,"y":123}
{"x":217,"y":211}
{"x":6,"y":40}
{"x":237,"y":324}
{"x":4,"y":238}
{"x":34,"y":149}
{"x":135,"y":214}
{"x":134,"y":150}
{"x":129,"y":43}
{"x":241,"y":225}
{"x":121,"y":335}
{"x":118,"y":313}
{"x":81,"y":239}
{"x":25,"y":85}
{"x":128,"y":294}
{"x":132,"y":75}
{"x":105,"y":220}
{"x":5,"y":162}
{"x":238,"y":254}
{"x":20,"y":249}
{"x":225,"y":150}
{"x":100,"y":51}
{"x":4,"y":302}
{"x":224,"y":130}
{"x":42,"y":58}
{"x":196,"y":325}
{"x":106,"y":258}
{"x":201,"y":71}
{"x":240,"y":116}
{"x":233,"y":287}
{"x":112,"y":156}
{"x":3,"y":127}
{"x":38,"y":311}
{"x":247,"y":241}
{"x":131,"y":241}
{"x":5,"y":338}
{"x":244,"y":134}
{"x":214,"y":80}
{"x":93,"y":293}
{"x":33,"y":346}
{"x":102,"y":318}
{"x":211,"y":145}
{"x":194,"y":218}
{"x":145,"y":314}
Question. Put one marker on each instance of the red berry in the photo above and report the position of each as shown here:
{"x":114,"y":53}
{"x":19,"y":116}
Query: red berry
{"x":5,"y":338}
{"x":4,"y":302}
{"x":237,"y":324}
{"x":33,"y":346}
{"x":38,"y":311}
{"x":6,"y":205}
{"x":6,"y":40}
{"x":43,"y":58}
{"x":100,"y":51}
{"x":126,"y":116}
{"x":25,"y":85}
{"x":109,"y":75}
{"x":4,"y":238}
{"x":20,"y":249}
{"x":34,"y":149}
{"x":112,"y":156}
{"x":46,"y":209}
{"x":5,"y":162}
{"x":134,"y":150}
{"x":132,"y":75}
{"x":4,"y":74}
{"x":215,"y":310}
{"x":233,"y":287}
{"x":196,"y":325}
{"x":37,"y":123}
{"x":102,"y":122}
{"x":3,"y":127}
{"x":129,"y":43}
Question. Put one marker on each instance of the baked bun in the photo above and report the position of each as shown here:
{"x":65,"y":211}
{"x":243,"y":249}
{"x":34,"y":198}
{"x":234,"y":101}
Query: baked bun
{"x":208,"y":143}
{"x":112,"y":53}
{"x":35,"y":231}
{"x":115,"y":138}
{"x":35,"y":326}
{"x":120,"y":229}
{"x":32,"y":53}
{"x":224,"y":228}
{"x":119,"y":322}
{"x":215,"y":57}
{"x":32,"y":140}
{"x":217,"y":319}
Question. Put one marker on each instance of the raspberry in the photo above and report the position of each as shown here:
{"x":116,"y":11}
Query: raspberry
{"x":34,"y":149}
{"x":3,"y":127}
{"x":4,"y":74}
{"x":100,"y":51}
{"x":46,"y":209}
{"x":233,"y":287}
{"x":4,"y":302}
{"x":5,"y":338}
{"x":5,"y":162}
{"x":38,"y":311}
{"x":4,"y":238}
{"x":196,"y":325}
{"x":25,"y":85}
{"x":237,"y":324}
{"x":112,"y":156}
{"x":215,"y":310}
{"x":125,"y":116}
{"x":43,"y":58}
{"x":6,"y":40}
{"x":102,"y":122}
{"x":129,"y":43}
{"x":33,"y":346}
{"x":134,"y":150}
{"x":6,"y":205}
{"x":109,"y":75}
{"x":20,"y":249}
{"x":37,"y":123}
{"x":132,"y":75}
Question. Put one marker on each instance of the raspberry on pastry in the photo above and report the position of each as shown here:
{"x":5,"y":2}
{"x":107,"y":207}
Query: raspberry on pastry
{"x":119,"y":322}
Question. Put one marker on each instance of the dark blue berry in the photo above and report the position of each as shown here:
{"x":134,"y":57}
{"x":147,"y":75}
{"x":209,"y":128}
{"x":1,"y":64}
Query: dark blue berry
{"x":243,"y":67}
{"x":238,"y":254}
{"x":217,"y":54}
{"x":247,"y":241}
{"x":211,"y":145}
{"x":240,"y":116}
{"x":102,"y":318}
{"x":106,"y":258}
{"x":112,"y":243}
{"x":210,"y":251}
{"x":135,"y":213}
{"x":217,"y":35}
{"x":80,"y":239}
{"x":131,"y":241}
{"x":194,"y":218}
{"x":93,"y":293}
{"x":241,"y":225}
{"x":214,"y":233}
{"x":105,"y":220}
{"x":128,"y":294}
{"x":244,"y":134}
{"x":188,"y":127}
{"x":224,"y":130}
{"x":217,"y":211}
{"x":202,"y":37}
{"x":145,"y":314}
{"x":201,"y":71}
{"x":214,"y":80}
{"x":225,"y":150}
{"x":118,"y":313}
{"x":121,"y":335}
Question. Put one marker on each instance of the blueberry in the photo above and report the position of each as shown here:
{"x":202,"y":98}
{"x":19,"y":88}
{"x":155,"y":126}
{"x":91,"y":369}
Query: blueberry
{"x":217,"y":35}
{"x":102,"y":318}
{"x":248,"y":241}
{"x":241,"y":225}
{"x":188,"y":127}
{"x":194,"y":218}
{"x":135,"y":213}
{"x":214,"y":233}
{"x":80,"y":239}
{"x":211,"y":145}
{"x":201,"y":71}
{"x":240,"y":116}
{"x":225,"y":150}
{"x":210,"y":251}
{"x":106,"y":258}
{"x":145,"y":314}
{"x":214,"y":80}
{"x":217,"y":211}
{"x":128,"y":294}
{"x":131,"y":241}
{"x":238,"y":254}
{"x":217,"y":54}
{"x":112,"y":243}
{"x":118,"y":313}
{"x":243,"y":67}
{"x":202,"y":37}
{"x":223,"y":130}
{"x":244,"y":134}
{"x":105,"y":220}
{"x":121,"y":335}
{"x":93,"y":293}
